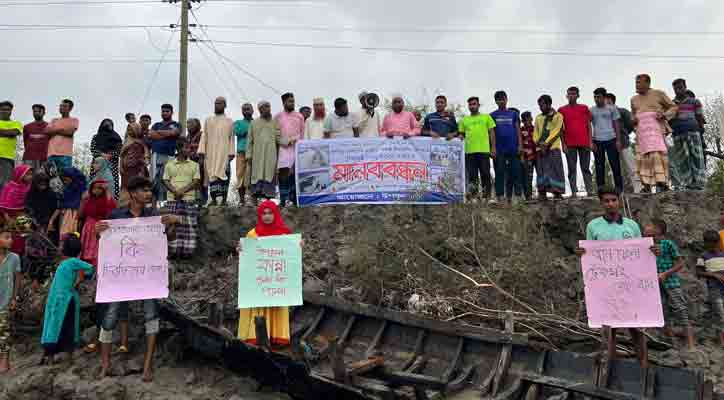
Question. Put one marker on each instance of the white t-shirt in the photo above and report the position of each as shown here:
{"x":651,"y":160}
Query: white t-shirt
{"x":341,"y":127}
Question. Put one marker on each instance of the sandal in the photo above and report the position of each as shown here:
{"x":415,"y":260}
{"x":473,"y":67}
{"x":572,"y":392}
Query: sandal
{"x":90,"y":348}
{"x":122,"y":349}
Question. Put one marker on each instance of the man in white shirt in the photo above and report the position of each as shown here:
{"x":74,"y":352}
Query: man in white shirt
{"x":314,"y":128}
{"x":341,"y":124}
{"x":370,"y":122}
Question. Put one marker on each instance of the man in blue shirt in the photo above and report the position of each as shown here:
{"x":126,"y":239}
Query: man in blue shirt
{"x":163,"y":137}
{"x":441,"y":123}
{"x":507,"y":147}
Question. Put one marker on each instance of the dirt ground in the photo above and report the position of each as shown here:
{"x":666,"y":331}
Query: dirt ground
{"x":404,"y":258}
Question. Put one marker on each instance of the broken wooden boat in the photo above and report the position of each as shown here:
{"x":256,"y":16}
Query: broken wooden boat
{"x":351,"y":351}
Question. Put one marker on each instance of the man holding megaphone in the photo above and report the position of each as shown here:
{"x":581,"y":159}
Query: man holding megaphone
{"x":370,"y":122}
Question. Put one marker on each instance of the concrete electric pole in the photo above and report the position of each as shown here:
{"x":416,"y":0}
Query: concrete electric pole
{"x":184,"y":67}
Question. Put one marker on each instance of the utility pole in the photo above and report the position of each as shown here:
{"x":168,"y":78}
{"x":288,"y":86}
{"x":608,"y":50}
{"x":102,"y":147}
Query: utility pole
{"x":184,"y":67}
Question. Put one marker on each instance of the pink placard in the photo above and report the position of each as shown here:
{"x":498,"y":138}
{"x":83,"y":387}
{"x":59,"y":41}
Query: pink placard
{"x":132,"y":261}
{"x":621,"y":284}
{"x":649,"y":133}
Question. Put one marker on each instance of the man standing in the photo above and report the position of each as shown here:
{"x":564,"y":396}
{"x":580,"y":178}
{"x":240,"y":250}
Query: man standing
{"x":139,"y":191}
{"x":547,"y":135}
{"x":163,"y":137}
{"x":441,"y":123}
{"x":370,"y":122}
{"x":606,"y":139}
{"x":631,"y":183}
{"x":652,"y":165}
{"x":306,"y":112}
{"x":291,"y":126}
{"x":507,"y":148}
{"x":217,"y":149}
{"x":130,"y":119}
{"x":9,"y":132}
{"x":261,"y":152}
{"x":687,"y":155}
{"x":577,"y":138}
{"x":341,"y":124}
{"x":314,"y":127}
{"x":241,"y":131}
{"x":35,"y":140}
{"x":399,"y":122}
{"x":478,"y":131}
{"x":182,"y":178}
{"x":61,"y":131}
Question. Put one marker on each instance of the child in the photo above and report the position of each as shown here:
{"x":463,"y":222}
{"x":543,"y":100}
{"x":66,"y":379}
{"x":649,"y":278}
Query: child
{"x":74,"y":187}
{"x":61,"y":325}
{"x":182,"y":178}
{"x":711,"y":267}
{"x":668,"y":265}
{"x":10,"y":284}
{"x":530,"y":154}
{"x":96,"y":207}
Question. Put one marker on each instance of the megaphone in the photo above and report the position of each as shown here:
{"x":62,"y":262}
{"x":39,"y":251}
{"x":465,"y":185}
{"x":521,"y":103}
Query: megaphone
{"x":372,"y":100}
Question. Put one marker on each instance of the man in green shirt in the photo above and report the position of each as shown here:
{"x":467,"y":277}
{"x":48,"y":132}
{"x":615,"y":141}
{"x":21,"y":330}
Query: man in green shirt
{"x":241,"y":130}
{"x":9,"y":132}
{"x":478,"y":131}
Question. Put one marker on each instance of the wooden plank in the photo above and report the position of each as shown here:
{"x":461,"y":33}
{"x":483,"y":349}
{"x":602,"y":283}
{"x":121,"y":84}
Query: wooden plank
{"x":313,"y":326}
{"x":418,"y":365}
{"x":486,"y":384}
{"x":419,"y":345}
{"x":364,"y":366}
{"x":339,"y":370}
{"x":447,"y":376}
{"x":505,"y":357}
{"x":406,"y":378}
{"x":347,"y":329}
{"x":377,"y":338}
{"x":262,"y":336}
{"x":461,"y":381}
{"x":534,"y":389}
{"x":512,"y":392}
{"x":448,"y":328}
{"x":650,"y":379}
{"x":586,"y":389}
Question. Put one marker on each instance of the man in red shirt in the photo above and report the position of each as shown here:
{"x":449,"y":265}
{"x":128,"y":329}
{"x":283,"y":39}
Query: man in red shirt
{"x":577,"y":138}
{"x":35,"y":140}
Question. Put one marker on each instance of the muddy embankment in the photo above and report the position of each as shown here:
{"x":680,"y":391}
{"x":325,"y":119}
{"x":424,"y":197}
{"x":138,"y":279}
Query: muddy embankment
{"x":421,"y":259}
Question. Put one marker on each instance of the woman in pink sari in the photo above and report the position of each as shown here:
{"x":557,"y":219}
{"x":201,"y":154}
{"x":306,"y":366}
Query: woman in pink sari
{"x":12,"y":202}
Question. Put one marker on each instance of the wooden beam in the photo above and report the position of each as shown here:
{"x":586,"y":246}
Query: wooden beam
{"x":339,"y":370}
{"x":419,"y":345}
{"x":418,"y":365}
{"x":377,"y":338}
{"x":461,"y":381}
{"x":364,"y":366}
{"x":406,"y":378}
{"x":448,"y":328}
{"x":347,"y":329}
{"x":485,"y":384}
{"x":580,"y":388}
{"x":539,"y":369}
{"x":447,"y":375}
{"x":505,"y":357}
{"x":315,"y":323}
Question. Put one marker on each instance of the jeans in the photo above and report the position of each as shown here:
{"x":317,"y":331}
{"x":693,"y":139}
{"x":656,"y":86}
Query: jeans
{"x":287,"y":186}
{"x":116,"y":311}
{"x":573,"y":156}
{"x":608,"y":149}
{"x":477,"y":166}
{"x":158,"y":163}
{"x":507,"y":172}
{"x":61,"y":162}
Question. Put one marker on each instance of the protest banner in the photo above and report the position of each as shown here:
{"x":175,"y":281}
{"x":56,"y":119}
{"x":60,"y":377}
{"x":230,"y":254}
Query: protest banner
{"x":380,"y":171}
{"x":270,"y":271}
{"x":649,"y":135}
{"x":621,"y":284}
{"x":132,"y":261}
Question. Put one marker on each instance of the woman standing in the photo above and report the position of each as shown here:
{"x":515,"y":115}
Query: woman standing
{"x":134,"y":158}
{"x":269,"y":223}
{"x":96,"y":207}
{"x":14,"y":193}
{"x":41,"y":202}
{"x":61,"y":325}
{"x":107,"y":143}
{"x":74,"y":187}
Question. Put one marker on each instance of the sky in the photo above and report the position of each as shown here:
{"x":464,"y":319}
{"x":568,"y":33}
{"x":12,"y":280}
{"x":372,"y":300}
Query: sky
{"x":338,"y":48}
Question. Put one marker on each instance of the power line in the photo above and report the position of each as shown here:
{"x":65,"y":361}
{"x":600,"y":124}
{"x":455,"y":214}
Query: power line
{"x":79,"y":60}
{"x":79,"y":3}
{"x":397,"y":29}
{"x":155,"y":73}
{"x":544,"y":52}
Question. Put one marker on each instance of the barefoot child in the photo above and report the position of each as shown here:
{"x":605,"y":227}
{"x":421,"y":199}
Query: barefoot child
{"x":10,"y":281}
{"x":711,"y":267}
{"x":668,"y":265}
{"x":61,"y":326}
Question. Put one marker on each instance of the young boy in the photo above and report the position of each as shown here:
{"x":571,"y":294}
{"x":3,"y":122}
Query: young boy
{"x":711,"y":267}
{"x":507,"y":146}
{"x":530,"y":154}
{"x":478,"y":132}
{"x":577,"y":119}
{"x":182,"y":178}
{"x":668,"y":265}
{"x":606,"y":139}
{"x":10,"y":285}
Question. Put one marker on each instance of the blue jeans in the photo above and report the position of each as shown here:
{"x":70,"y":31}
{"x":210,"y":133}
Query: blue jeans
{"x":608,"y":149}
{"x":118,"y":309}
{"x":507,"y":173}
{"x":61,"y":162}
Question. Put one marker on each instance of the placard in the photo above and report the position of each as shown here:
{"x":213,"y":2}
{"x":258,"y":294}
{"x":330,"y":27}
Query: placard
{"x":270,"y":271}
{"x":621,"y":284}
{"x":132,"y":261}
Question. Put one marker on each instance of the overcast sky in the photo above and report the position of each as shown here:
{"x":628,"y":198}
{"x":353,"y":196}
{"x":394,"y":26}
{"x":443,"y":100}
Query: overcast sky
{"x":111,"y":89}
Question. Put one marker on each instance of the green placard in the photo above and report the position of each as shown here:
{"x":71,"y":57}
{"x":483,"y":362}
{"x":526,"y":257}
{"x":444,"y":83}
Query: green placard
{"x":270,"y":271}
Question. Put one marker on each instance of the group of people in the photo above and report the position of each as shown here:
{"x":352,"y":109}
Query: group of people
{"x":50,"y":209}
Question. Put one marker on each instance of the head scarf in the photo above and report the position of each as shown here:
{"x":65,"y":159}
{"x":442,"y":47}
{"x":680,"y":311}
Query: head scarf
{"x":41,"y":204}
{"x":14,"y":192}
{"x":104,"y":173}
{"x":107,"y":140}
{"x":277,"y":227}
{"x":73,"y":192}
{"x":98,"y":207}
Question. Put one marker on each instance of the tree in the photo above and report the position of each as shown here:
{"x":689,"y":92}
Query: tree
{"x":714,"y":114}
{"x":82,"y":157}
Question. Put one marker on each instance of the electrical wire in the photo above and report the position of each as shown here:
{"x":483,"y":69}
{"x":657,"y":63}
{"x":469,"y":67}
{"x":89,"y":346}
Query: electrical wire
{"x":37,"y":27}
{"x":213,"y":68}
{"x":198,"y":82}
{"x":543,"y":52}
{"x":78,"y":60}
{"x":78,"y":3}
{"x":155,"y":73}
